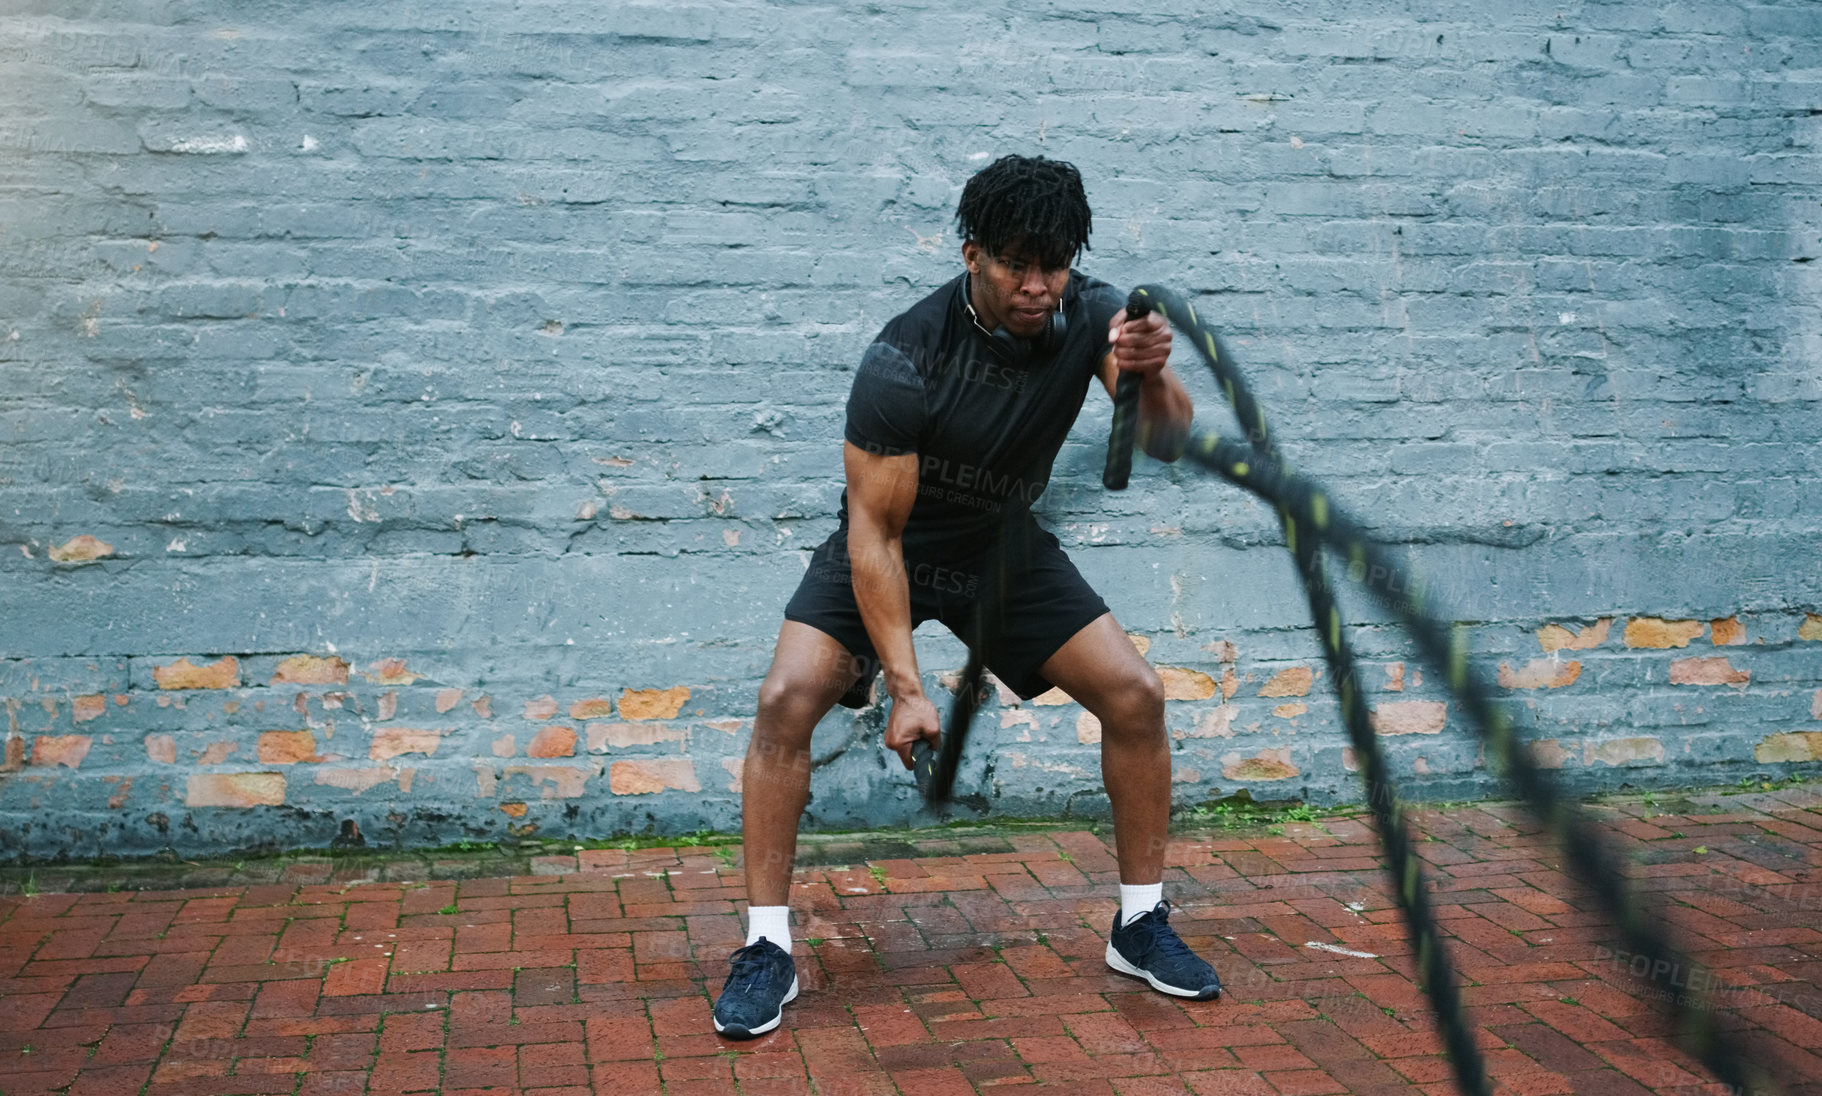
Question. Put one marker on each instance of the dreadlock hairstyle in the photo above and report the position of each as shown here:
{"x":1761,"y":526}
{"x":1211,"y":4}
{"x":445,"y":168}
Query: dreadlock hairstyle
{"x":1028,"y":204}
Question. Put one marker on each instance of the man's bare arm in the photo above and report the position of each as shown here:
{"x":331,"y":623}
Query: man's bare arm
{"x":1165,"y":409}
{"x":881,"y":492}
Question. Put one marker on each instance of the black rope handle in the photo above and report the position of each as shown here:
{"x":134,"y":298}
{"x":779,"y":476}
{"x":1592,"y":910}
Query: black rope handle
{"x":1125,"y":410}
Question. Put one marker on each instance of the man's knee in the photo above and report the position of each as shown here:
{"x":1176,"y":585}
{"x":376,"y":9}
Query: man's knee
{"x":1135,"y":704}
{"x":793,"y":698}
{"x":787,"y":700}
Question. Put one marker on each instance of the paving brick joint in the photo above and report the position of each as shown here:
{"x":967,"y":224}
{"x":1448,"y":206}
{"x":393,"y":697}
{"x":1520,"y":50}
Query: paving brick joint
{"x":415,"y":417}
{"x":966,"y":962}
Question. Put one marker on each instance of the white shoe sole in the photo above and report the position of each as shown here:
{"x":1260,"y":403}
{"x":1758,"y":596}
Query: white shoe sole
{"x":790,"y":995}
{"x":1119,"y":963}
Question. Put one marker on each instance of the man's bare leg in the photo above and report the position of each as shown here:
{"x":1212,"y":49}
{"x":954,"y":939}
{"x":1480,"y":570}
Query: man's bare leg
{"x":1100,"y":669}
{"x":1104,"y":673}
{"x":810,"y":671}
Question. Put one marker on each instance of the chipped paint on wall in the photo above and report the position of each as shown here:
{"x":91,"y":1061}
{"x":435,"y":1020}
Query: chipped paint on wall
{"x":311,"y":670}
{"x":643,"y":704}
{"x":1556,"y":637}
{"x":1291,"y":681}
{"x":223,"y":673}
{"x":1539,"y":673}
{"x":1656,"y":633}
{"x":649,"y":777}
{"x":1707,"y":671}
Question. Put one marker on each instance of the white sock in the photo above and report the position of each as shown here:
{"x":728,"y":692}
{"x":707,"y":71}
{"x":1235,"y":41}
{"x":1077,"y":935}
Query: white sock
{"x":771,"y":922}
{"x":1140,"y":899}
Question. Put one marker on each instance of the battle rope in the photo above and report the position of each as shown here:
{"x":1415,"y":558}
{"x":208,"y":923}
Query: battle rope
{"x":1310,"y":520}
{"x":1434,"y":970}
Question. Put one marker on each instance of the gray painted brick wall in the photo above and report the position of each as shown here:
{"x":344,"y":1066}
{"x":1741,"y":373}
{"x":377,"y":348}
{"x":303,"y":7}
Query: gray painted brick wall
{"x":451,"y":393}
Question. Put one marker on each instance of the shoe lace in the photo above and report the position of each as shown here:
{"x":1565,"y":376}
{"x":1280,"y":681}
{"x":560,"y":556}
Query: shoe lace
{"x":749,"y":966}
{"x":1164,"y":939}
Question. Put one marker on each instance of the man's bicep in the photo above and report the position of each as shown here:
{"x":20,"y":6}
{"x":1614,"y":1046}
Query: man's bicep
{"x":881,"y":489}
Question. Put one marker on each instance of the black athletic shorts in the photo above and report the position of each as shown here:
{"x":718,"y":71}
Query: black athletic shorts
{"x":1046,"y":601}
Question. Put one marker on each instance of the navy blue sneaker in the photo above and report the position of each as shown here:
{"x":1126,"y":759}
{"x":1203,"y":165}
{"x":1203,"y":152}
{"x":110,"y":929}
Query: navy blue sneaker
{"x":1149,"y":948}
{"x":753,"y":998}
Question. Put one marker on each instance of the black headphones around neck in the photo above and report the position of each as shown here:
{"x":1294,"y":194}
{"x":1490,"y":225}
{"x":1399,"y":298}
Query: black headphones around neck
{"x":1019,"y":350}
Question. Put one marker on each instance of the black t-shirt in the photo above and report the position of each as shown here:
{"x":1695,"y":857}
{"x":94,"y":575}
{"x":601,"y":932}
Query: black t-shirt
{"x":985,"y":419}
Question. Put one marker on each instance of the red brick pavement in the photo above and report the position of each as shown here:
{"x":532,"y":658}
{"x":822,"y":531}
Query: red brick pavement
{"x":975,"y":967}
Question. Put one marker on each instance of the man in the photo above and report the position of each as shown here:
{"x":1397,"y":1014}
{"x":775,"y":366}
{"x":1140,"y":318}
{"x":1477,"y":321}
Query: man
{"x":955,"y":418}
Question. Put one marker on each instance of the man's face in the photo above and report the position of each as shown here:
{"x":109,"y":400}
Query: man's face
{"x":1013,"y":290}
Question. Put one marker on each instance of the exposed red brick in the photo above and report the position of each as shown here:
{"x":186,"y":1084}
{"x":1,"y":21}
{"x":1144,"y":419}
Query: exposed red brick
{"x":542,"y":707}
{"x":1410,"y":717}
{"x":235,"y":790}
{"x":637,"y":704}
{"x":82,"y":549}
{"x":391,"y":671}
{"x":287,"y":747}
{"x":390,"y":742}
{"x":85,"y":708}
{"x":1186,"y":684}
{"x":594,"y":707}
{"x":1798,"y":746}
{"x":1622,"y":751}
{"x":553,"y":741}
{"x":1726,"y":631}
{"x":1707,"y":671}
{"x":183,"y":674}
{"x":311,"y":670}
{"x":1267,"y":764}
{"x":1555,"y":637}
{"x":645,"y":777}
{"x":1654,"y":632}
{"x":1291,"y":681}
{"x":67,"y":750}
